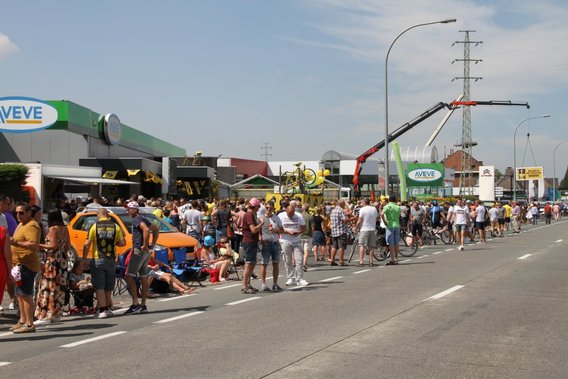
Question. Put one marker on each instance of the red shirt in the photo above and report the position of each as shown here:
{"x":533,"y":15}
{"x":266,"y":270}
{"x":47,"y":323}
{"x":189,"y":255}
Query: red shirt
{"x":249,"y":219}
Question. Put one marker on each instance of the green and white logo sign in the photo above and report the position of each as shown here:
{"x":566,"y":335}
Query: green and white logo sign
{"x":425,"y":175}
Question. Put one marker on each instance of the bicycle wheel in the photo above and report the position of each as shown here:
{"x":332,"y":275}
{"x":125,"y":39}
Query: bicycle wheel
{"x":353,"y":250}
{"x":426,"y":237}
{"x":407,"y":250}
{"x":447,"y":237}
{"x":381,"y":253}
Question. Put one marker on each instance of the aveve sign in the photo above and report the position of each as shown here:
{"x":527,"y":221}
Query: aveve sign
{"x":25,"y":115}
{"x":424,"y":175}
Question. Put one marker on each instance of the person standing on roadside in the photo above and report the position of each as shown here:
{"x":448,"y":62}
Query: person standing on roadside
{"x":307,"y":234}
{"x":516,"y":217}
{"x":25,"y":245}
{"x":251,"y":237}
{"x":391,"y":217}
{"x":105,"y":236}
{"x":139,"y":257}
{"x":338,"y":219}
{"x":291,"y":243}
{"x":479,"y":214}
{"x":367,"y":236}
{"x":271,"y":227}
{"x":461,"y":217}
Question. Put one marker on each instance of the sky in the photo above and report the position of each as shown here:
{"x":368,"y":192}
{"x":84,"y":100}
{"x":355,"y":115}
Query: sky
{"x":304,"y":76}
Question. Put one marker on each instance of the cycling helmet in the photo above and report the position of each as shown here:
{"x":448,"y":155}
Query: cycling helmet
{"x":434,"y":202}
{"x":209,"y":241}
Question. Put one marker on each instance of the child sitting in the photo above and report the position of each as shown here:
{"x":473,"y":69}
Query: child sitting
{"x":83,"y":291}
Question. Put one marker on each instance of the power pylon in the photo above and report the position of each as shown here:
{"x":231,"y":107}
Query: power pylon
{"x":266,"y":147}
{"x":466,"y":180}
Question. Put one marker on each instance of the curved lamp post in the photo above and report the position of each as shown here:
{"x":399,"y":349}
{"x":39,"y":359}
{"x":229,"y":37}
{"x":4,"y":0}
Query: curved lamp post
{"x":515,"y":153}
{"x":387,"y":95}
{"x":554,"y":170}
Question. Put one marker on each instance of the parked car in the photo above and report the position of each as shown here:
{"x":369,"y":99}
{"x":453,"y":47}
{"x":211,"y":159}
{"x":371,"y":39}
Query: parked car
{"x":169,"y":237}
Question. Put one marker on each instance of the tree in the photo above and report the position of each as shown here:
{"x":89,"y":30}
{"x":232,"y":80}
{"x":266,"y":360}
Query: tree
{"x":12,"y":178}
{"x":564,"y":183}
{"x":498,"y":174}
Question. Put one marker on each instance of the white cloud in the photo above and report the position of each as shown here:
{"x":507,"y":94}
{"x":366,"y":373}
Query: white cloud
{"x":7,"y":47}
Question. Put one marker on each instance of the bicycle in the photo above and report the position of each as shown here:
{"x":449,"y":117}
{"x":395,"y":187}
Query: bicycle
{"x":407,"y":246}
{"x":431,"y":235}
{"x":298,"y":180}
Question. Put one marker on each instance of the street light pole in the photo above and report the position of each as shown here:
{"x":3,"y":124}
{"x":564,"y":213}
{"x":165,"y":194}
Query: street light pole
{"x":515,"y":153}
{"x":387,"y":95}
{"x":554,"y":170}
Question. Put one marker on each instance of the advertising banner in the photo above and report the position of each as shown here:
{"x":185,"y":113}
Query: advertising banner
{"x":425,"y":175}
{"x":530,"y":173}
{"x":487,"y":183}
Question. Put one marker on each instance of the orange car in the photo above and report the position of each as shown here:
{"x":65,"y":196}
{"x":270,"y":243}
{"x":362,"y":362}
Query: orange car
{"x":169,"y":237}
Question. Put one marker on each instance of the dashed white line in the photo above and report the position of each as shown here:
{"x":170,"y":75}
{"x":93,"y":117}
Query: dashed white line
{"x":524,"y":256}
{"x":449,"y":249}
{"x":437,"y":252}
{"x":176,"y":297}
{"x":446,"y":292}
{"x":5,"y":363}
{"x":6,"y":334}
{"x":362,"y":271}
{"x":559,"y":240}
{"x":179,"y":317}
{"x":406,"y":260}
{"x":244,"y":300}
{"x":422,"y":256}
{"x":225,"y":287}
{"x":330,"y":279}
{"x":104,"y":336}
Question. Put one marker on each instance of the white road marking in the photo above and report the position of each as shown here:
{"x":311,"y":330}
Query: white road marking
{"x":423,"y":256}
{"x":330,"y":279}
{"x":446,"y":292}
{"x":524,"y":256}
{"x":225,"y":287}
{"x":179,"y":317}
{"x":5,"y":363}
{"x":449,"y":249}
{"x":104,"y":336}
{"x":559,"y":240}
{"x":244,"y":300}
{"x":437,"y":252}
{"x":362,"y":271}
{"x":6,"y":334}
{"x":406,"y":260}
{"x":177,"y":297}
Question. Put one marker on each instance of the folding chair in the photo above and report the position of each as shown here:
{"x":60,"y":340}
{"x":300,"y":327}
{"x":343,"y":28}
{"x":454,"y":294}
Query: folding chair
{"x":120,"y":285}
{"x":187,"y":267}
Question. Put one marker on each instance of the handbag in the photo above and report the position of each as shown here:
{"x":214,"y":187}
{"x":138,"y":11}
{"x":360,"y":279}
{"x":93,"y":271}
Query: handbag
{"x":230,"y":231}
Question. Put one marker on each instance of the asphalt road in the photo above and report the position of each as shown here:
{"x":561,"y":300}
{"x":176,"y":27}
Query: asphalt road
{"x":494,"y":310}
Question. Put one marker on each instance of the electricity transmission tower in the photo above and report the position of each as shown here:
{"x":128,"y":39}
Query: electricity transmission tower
{"x":466,"y":180}
{"x":266,"y":147}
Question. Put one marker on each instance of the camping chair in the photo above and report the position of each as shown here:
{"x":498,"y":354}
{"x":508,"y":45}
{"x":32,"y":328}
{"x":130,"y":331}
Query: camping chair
{"x":187,"y":267}
{"x":120,"y":285}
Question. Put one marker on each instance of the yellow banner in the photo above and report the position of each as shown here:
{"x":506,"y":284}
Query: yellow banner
{"x":530,"y":173}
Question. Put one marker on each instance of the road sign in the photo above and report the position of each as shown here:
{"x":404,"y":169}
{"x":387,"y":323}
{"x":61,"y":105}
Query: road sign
{"x":498,"y":191}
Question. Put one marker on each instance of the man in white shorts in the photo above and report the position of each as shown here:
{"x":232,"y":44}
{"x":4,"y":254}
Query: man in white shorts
{"x":366,"y":225}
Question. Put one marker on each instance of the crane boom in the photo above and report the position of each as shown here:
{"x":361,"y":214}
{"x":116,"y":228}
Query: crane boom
{"x":397,"y":133}
{"x":409,"y":125}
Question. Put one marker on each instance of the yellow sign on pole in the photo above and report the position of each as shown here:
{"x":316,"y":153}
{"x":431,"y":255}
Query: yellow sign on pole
{"x":530,"y":173}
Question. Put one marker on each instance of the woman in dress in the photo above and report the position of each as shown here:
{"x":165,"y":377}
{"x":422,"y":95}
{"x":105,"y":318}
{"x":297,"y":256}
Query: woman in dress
{"x":52,"y":287}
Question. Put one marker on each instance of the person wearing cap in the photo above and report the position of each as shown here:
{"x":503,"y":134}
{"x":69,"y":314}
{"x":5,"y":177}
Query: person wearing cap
{"x":212,"y":259}
{"x":251,"y":237}
{"x":139,"y":257}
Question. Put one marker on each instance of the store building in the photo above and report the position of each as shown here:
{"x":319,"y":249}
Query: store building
{"x":126,"y":160}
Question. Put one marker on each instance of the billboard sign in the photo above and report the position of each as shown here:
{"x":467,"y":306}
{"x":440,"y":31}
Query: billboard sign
{"x":529,"y":173}
{"x":25,"y":115}
{"x":425,"y":175}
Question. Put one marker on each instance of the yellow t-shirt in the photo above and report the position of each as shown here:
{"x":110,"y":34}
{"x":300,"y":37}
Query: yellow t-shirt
{"x":158,"y":212}
{"x":27,"y":257}
{"x":508,"y":210}
{"x":93,"y":237}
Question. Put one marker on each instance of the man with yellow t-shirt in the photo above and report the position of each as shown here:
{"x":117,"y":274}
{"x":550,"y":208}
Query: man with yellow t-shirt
{"x":508,"y":213}
{"x":106,"y":235}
